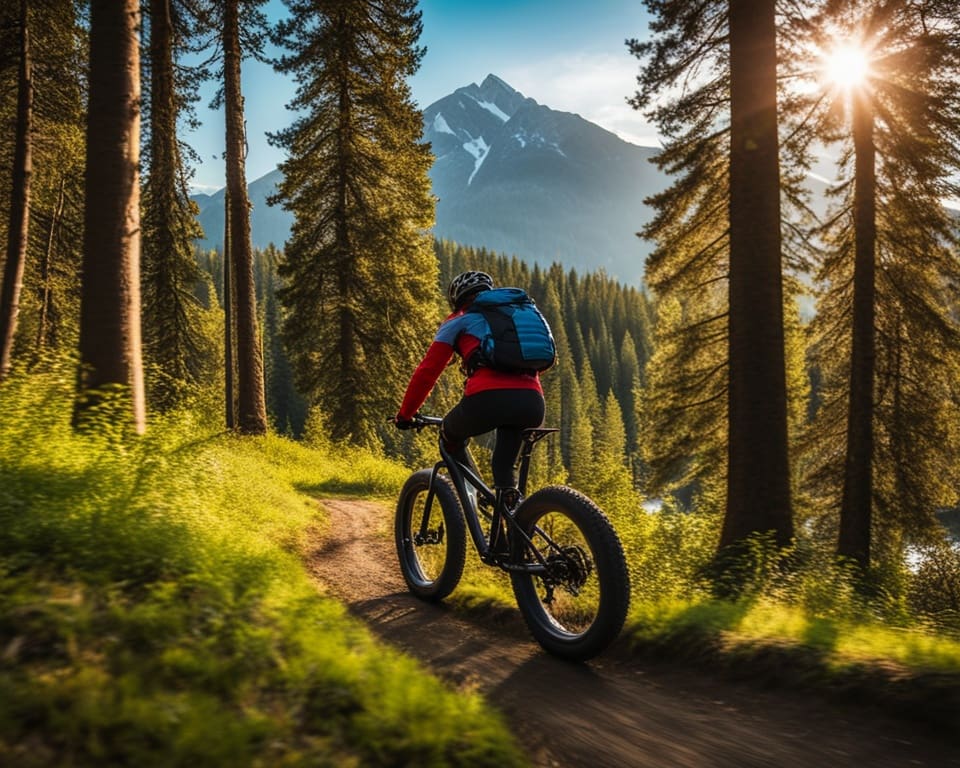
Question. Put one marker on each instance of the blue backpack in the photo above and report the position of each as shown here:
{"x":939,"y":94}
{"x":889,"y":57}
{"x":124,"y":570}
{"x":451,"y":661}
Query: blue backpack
{"x":518,"y":338}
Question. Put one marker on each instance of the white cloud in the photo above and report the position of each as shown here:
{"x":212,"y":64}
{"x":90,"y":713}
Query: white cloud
{"x":595,"y":86}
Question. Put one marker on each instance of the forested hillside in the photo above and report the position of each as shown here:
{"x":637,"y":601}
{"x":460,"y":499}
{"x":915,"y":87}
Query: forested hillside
{"x":602,"y":328}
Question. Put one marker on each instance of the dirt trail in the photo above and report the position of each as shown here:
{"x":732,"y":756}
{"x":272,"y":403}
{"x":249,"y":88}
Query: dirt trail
{"x":611,"y":712}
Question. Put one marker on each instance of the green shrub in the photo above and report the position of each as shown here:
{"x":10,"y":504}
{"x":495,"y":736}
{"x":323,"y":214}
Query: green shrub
{"x":934,"y":591}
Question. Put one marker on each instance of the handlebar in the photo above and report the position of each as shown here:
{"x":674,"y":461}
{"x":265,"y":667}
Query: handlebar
{"x":419,"y":421}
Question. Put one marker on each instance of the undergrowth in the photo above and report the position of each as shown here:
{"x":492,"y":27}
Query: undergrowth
{"x":154,"y":610}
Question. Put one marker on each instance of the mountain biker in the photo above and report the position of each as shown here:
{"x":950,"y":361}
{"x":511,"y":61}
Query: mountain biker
{"x":506,"y":401}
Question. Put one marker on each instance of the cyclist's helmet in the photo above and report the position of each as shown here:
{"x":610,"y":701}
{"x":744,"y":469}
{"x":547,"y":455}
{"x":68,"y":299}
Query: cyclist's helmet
{"x":464,"y":285}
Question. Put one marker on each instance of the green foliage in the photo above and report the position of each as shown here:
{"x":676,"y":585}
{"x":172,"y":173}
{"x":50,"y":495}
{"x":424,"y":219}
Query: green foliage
{"x":703,"y":629}
{"x":667,"y":550}
{"x":934,"y":592}
{"x":683,"y":432}
{"x":285,"y":405}
{"x":154,"y":610}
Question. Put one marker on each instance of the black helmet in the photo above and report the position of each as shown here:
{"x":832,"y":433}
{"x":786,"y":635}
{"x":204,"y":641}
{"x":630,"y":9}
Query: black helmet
{"x":465,"y":285}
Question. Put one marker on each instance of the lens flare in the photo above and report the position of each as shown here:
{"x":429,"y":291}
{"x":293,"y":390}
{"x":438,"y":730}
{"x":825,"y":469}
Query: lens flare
{"x":846,"y":66}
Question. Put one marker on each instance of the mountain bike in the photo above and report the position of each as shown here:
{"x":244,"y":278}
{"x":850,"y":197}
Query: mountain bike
{"x":564,"y":558}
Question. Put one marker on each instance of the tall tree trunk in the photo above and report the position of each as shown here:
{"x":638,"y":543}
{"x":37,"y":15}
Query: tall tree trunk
{"x":758,"y":482}
{"x":110,"y":346}
{"x":228,"y":292}
{"x":17,"y":233}
{"x":346,"y":423}
{"x":251,"y":403}
{"x":855,"y":509}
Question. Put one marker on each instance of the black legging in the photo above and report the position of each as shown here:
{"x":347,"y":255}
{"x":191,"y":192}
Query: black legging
{"x":509,"y":411}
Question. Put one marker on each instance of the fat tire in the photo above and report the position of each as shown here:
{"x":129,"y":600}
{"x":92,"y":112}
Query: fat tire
{"x":445,"y":501}
{"x":609,"y":562}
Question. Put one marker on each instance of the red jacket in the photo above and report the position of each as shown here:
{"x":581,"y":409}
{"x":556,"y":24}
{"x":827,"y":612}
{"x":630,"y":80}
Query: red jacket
{"x":454,"y":336}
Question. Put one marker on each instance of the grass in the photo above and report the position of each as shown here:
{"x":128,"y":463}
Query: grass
{"x":840,"y":643}
{"x":154,"y":610}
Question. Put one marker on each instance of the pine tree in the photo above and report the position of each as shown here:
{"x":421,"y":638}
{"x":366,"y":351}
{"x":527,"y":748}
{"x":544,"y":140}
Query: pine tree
{"x":799,"y":389}
{"x":171,"y":310}
{"x":719,"y":222}
{"x":682,"y":437}
{"x":628,"y":384}
{"x":684,"y":426}
{"x":284,"y":404}
{"x":359,"y":262}
{"x":47,"y":304}
{"x":251,"y":402}
{"x":581,"y":461}
{"x":550,"y":456}
{"x":613,"y":479}
{"x":50,"y":305}
{"x":889,"y":264}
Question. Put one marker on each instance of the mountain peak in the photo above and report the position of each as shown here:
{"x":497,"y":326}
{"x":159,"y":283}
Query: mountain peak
{"x":493,"y":90}
{"x":491,"y":83}
{"x":494,"y":96}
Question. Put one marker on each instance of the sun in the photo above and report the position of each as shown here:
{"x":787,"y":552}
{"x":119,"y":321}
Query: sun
{"x":846,"y":66}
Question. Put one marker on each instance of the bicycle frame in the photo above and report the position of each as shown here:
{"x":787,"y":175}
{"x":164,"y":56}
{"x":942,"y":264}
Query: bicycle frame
{"x":461,"y":475}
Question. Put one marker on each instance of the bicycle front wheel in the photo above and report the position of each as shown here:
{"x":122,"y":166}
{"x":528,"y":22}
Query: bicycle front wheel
{"x":577,"y":606}
{"x":431,"y":552}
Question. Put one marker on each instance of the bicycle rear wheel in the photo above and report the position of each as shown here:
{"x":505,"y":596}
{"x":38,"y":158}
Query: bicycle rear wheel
{"x":432,"y":556}
{"x":578,"y":606}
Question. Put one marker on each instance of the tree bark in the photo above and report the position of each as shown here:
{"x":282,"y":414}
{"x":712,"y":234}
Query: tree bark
{"x":228,"y":345}
{"x":110,"y":344}
{"x":758,"y":482}
{"x":856,"y":505}
{"x":18,"y":230}
{"x":345,"y":423}
{"x":251,"y":402}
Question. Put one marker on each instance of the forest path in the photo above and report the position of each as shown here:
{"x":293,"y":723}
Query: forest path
{"x":613,"y":711}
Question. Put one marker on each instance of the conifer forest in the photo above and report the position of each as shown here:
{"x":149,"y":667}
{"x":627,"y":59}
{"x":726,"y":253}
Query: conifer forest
{"x":771,"y":419}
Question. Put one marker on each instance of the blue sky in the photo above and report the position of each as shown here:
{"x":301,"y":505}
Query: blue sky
{"x":567,"y":54}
